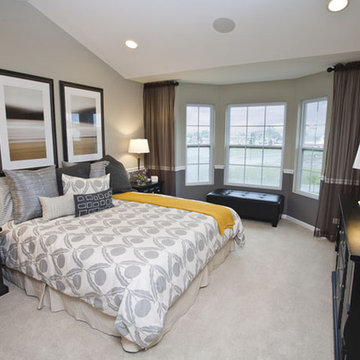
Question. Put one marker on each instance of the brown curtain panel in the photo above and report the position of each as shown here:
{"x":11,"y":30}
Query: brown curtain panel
{"x":338,"y":176}
{"x":159,"y":123}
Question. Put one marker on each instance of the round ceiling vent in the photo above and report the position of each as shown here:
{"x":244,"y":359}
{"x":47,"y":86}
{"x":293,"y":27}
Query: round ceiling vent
{"x":224,"y":25}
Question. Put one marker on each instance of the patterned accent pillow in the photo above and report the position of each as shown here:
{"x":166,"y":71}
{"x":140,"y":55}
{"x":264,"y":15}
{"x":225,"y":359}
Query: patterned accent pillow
{"x":80,"y":170}
{"x":26,"y":186}
{"x":90,"y":203}
{"x":56,"y":207}
{"x":6,"y":203}
{"x":75,"y":185}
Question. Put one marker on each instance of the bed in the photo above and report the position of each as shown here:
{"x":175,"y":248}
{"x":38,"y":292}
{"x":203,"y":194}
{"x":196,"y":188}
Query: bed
{"x":131,"y":270}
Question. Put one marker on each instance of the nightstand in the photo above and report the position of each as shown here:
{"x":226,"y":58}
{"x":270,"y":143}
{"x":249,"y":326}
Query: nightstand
{"x":3,"y":288}
{"x":148,"y":188}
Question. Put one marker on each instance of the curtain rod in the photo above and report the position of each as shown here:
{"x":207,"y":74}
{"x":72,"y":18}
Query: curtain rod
{"x":354,"y":65}
{"x":161,"y":83}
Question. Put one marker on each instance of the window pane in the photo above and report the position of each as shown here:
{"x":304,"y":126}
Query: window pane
{"x":192,"y":173}
{"x":317,"y":160}
{"x":271,"y":176}
{"x":204,"y":155}
{"x":322,"y":112}
{"x":253,"y":156}
{"x":192,"y":155}
{"x":192,"y":115}
{"x":253,"y":175}
{"x":237,"y":135}
{"x":204,"y":135}
{"x":238,"y":116}
{"x":275,"y":115}
{"x":311,"y":112}
{"x":236,"y":174}
{"x":306,"y":159}
{"x":320,"y":135}
{"x":255,"y":136}
{"x":305,"y":181}
{"x":274,"y":135}
{"x":309,"y":135}
{"x":272,"y":157}
{"x":236,"y":156}
{"x":204,"y":173}
{"x":192,"y":135}
{"x":204,"y":116}
{"x":256,"y":115}
{"x":315,"y":182}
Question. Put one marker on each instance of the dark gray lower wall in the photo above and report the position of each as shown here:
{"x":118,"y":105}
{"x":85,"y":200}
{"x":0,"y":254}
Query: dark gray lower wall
{"x":296,"y":206}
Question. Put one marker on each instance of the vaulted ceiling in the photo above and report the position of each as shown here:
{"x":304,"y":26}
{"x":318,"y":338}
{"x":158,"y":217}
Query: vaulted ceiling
{"x":272,"y":39}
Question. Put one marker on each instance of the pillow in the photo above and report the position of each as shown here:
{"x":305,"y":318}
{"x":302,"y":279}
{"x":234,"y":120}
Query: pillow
{"x":55,"y":207}
{"x":6,"y":202}
{"x":26,"y":186}
{"x":81,"y":170}
{"x":90,"y":203}
{"x":97,"y":168}
{"x":75,"y":185}
{"x":119,"y":180}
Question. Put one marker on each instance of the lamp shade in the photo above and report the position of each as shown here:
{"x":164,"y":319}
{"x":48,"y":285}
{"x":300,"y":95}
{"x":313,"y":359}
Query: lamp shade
{"x":138,"y":146}
{"x":356,"y":164}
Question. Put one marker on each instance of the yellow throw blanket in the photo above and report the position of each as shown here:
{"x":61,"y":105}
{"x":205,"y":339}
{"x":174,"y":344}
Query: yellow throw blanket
{"x":221,"y":214}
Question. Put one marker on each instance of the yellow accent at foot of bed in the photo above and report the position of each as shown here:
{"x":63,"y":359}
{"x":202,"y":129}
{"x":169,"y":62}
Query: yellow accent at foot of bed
{"x":221,"y":214}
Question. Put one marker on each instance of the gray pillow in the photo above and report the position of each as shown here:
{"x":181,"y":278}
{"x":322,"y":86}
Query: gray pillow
{"x":6,"y":202}
{"x":119,"y":179}
{"x":97,"y":168}
{"x":55,"y":207}
{"x":26,"y":186}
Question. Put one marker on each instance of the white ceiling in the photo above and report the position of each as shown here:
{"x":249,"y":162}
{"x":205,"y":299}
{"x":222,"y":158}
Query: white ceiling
{"x":273,"y":39}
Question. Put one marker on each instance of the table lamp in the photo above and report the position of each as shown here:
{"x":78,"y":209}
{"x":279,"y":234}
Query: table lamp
{"x":138,"y":146}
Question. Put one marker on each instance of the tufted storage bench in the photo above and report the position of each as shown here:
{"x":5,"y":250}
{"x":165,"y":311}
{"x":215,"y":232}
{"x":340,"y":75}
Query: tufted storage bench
{"x":249,"y":204}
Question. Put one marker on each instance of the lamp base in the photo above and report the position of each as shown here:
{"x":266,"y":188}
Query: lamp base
{"x":138,"y":163}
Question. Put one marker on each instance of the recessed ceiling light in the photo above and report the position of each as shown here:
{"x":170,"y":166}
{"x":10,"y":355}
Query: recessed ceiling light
{"x":131,"y":44}
{"x":224,"y":25}
{"x":337,"y":5}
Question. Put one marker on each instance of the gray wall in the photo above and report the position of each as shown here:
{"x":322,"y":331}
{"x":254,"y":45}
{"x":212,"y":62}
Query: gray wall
{"x":32,"y":44}
{"x":290,"y":91}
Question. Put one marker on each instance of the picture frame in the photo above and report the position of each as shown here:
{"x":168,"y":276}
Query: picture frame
{"x":27,"y":121}
{"x":82,"y":114}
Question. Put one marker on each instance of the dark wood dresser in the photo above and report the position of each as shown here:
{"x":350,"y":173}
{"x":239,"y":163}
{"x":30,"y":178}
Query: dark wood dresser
{"x":346,"y":282}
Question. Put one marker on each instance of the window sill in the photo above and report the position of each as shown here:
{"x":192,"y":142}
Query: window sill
{"x":306,"y":194}
{"x":199,"y":184}
{"x":260,"y":187}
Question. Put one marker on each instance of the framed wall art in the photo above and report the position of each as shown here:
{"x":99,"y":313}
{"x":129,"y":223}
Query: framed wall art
{"x":27,"y":121}
{"x":82,"y":122}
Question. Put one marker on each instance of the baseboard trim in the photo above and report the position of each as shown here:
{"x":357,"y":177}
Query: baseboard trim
{"x":299,"y":222}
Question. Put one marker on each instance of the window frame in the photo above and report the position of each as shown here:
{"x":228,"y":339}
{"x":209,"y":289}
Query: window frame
{"x":300,"y":147}
{"x":211,"y":145}
{"x":228,"y":146}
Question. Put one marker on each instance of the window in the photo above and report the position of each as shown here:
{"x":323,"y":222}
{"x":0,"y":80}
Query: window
{"x":312,"y":135}
{"x":199,"y":139}
{"x":254,"y":145}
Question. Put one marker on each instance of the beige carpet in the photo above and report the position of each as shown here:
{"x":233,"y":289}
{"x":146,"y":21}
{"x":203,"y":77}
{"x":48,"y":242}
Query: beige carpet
{"x":269,"y":300}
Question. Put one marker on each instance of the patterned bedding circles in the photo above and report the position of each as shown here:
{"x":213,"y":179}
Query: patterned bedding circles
{"x":131,"y":261}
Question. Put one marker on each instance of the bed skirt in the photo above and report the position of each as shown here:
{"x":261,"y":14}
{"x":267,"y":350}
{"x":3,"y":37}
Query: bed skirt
{"x":82,"y":311}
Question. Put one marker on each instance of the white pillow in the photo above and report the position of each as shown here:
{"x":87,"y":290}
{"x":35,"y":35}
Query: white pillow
{"x":54,"y":207}
{"x":75,"y":185}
